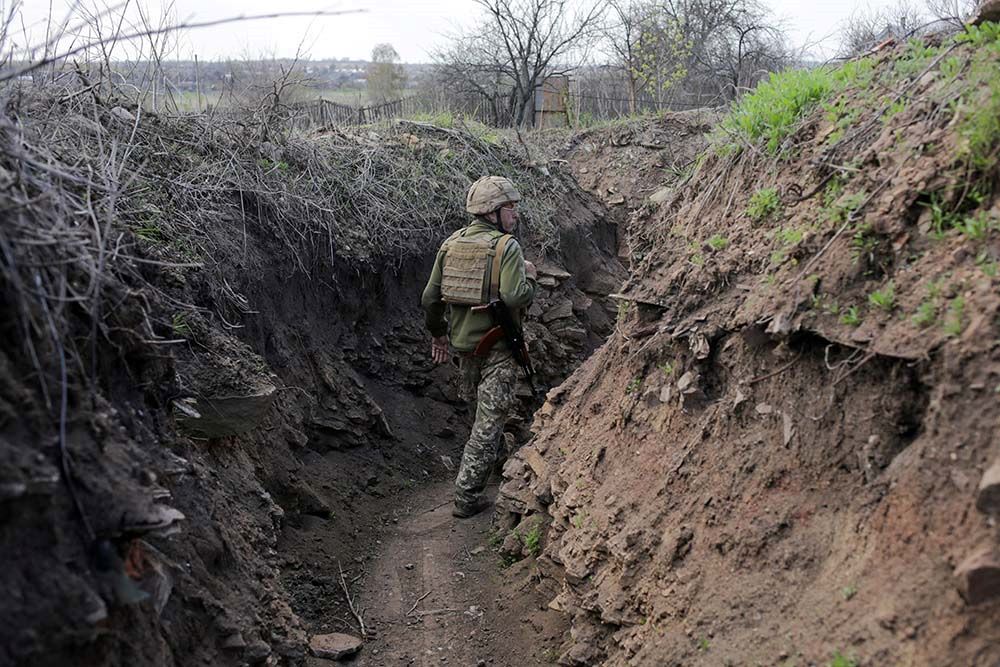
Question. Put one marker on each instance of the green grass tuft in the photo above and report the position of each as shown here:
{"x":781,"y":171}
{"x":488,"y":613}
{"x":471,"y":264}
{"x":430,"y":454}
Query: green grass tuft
{"x":763,"y":204}
{"x":885,"y":298}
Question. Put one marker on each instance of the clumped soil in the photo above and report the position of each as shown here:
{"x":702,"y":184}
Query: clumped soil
{"x":232,"y":287}
{"x":771,"y":461}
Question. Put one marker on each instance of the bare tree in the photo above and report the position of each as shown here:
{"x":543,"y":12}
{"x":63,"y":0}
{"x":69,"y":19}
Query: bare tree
{"x":515,"y":46}
{"x":868,"y":28}
{"x":733,"y":44}
{"x":954,"y":12}
{"x":386,"y":76}
{"x":622,"y":34}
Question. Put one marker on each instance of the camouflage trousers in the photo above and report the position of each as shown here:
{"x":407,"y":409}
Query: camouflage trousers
{"x":490,"y":380}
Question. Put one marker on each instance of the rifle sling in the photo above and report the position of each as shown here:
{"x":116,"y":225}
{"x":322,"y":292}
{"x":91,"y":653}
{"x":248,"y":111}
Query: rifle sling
{"x":494,"y":291}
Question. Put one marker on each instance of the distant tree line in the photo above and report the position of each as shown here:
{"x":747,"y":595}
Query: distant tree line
{"x":631,"y":56}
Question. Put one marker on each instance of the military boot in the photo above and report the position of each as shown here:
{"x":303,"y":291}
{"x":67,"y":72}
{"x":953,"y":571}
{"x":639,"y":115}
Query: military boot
{"x":464,"y":510}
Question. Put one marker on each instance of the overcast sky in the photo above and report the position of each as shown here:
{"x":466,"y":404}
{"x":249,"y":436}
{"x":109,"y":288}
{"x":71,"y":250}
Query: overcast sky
{"x":413,"y":27}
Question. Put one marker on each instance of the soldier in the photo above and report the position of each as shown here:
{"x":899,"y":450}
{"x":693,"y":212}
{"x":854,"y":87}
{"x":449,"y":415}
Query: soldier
{"x":475,"y":265}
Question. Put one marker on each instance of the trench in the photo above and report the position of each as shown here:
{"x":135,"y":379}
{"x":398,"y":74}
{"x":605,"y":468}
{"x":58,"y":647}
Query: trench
{"x":367,"y":534}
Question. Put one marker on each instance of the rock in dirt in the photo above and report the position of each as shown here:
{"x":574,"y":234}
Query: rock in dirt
{"x":979,"y":576}
{"x":988,"y":11}
{"x":988,"y":499}
{"x":559,"y":311}
{"x":334,"y":646}
{"x":221,"y":416}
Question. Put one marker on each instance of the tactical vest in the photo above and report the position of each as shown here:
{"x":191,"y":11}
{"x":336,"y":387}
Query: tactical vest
{"x":466,"y":263}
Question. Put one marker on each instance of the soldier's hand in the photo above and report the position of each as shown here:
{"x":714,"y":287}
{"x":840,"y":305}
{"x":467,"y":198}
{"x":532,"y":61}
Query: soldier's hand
{"x":439,"y":349}
{"x":530,"y":270}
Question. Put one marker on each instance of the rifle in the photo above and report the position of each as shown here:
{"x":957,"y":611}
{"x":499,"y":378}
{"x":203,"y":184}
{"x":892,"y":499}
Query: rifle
{"x":505,"y":327}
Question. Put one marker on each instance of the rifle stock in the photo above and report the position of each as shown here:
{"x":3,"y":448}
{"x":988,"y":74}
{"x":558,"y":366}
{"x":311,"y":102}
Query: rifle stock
{"x":506,"y":328}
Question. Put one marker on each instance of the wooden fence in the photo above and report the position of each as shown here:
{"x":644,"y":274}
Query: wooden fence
{"x":320,"y":113}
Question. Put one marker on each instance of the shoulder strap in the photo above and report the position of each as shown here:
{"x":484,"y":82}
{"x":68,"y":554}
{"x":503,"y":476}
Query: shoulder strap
{"x":497,"y":257}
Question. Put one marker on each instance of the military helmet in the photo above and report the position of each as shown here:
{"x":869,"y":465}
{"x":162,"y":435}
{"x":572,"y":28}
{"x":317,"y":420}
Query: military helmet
{"x":490,"y":193}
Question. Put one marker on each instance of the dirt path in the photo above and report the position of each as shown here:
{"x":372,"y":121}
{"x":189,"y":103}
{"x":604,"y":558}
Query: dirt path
{"x":436,"y":594}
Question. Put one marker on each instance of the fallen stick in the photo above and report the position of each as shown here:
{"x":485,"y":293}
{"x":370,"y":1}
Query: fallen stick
{"x":356,"y":611}
{"x":417,"y":602}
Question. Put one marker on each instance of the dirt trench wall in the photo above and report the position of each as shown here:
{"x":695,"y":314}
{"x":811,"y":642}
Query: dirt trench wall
{"x":772,"y":461}
{"x":256,"y":394}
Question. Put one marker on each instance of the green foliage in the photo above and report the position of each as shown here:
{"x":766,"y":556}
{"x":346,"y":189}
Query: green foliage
{"x":848,"y":592}
{"x":773,"y":109}
{"x":984,"y":34}
{"x":926,"y":314}
{"x":840,"y":660}
{"x":532,"y":540}
{"x":942,"y":218}
{"x":978,"y":111}
{"x":633,"y":386}
{"x":843,"y":113}
{"x":851,"y":316}
{"x":985,"y":261}
{"x":667,"y":367}
{"x":976,"y":227}
{"x":445,"y":119}
{"x":885,"y":298}
{"x":953,"y":319}
{"x":697,"y":259}
{"x":763,"y":204}
{"x":149,"y":232}
{"x":180,"y":325}
{"x":844,"y":206}
{"x":864,"y":243}
{"x":951,"y":67}
{"x":916,"y":59}
{"x":789,"y":236}
{"x":703,"y":644}
{"x":271,"y":165}
{"x":578,"y":520}
{"x":718,"y":242}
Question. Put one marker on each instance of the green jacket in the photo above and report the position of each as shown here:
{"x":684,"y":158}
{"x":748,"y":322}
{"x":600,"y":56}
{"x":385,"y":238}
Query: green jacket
{"x":464,"y":327}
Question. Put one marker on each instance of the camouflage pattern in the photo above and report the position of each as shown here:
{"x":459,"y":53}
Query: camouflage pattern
{"x":491,"y":380}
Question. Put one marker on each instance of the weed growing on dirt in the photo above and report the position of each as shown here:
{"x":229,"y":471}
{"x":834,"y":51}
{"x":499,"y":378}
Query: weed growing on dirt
{"x":953,"y":317}
{"x":978,"y":112}
{"x":841,"y":660}
{"x":703,"y":644}
{"x":180,"y":325}
{"x":926,"y":314}
{"x":532,"y":540}
{"x":976,"y":227}
{"x":763,"y":204}
{"x":844,"y":206}
{"x":633,"y":386}
{"x":986,"y":262}
{"x":697,"y":259}
{"x":848,"y":592}
{"x":864,"y":243}
{"x":718,"y":242}
{"x":789,"y":236}
{"x":916,"y":59}
{"x":851,"y":316}
{"x":667,"y":367}
{"x":884,"y":299}
{"x":773,"y":110}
